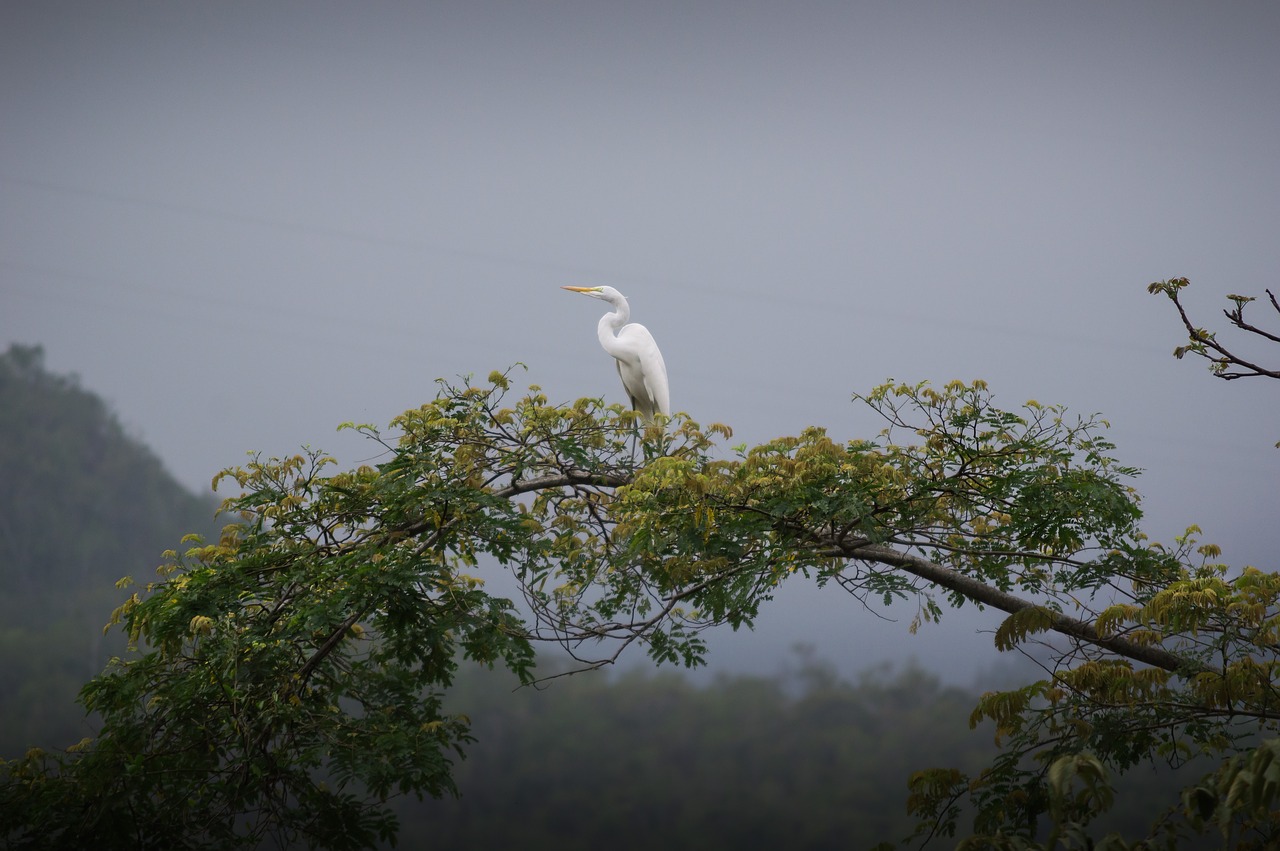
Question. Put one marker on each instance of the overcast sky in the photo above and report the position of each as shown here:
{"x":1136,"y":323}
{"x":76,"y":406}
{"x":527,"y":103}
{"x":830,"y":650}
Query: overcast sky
{"x":246,"y":222}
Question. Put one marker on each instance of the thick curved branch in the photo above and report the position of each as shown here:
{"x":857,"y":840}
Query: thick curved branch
{"x":929,"y":571}
{"x":568,"y":478}
{"x":980,"y":592}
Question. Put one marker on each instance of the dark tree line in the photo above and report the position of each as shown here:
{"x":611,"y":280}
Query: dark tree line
{"x":802,"y":760}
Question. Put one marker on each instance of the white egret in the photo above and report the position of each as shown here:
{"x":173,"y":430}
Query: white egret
{"x":640,"y":366}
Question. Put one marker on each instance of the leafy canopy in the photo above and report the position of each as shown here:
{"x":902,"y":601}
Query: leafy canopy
{"x":287,"y":678}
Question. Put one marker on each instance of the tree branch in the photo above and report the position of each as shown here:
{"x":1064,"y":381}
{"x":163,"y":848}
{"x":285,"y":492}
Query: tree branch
{"x":1236,"y":318}
{"x":980,"y":592}
{"x":929,"y":571}
{"x":335,"y":638}
{"x":1202,"y":340}
{"x":568,"y":478}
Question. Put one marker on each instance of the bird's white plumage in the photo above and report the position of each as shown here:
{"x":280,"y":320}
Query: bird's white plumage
{"x":640,"y":365}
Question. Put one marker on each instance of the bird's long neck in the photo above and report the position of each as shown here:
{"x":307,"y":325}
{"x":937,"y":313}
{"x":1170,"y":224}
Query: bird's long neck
{"x":610,"y":324}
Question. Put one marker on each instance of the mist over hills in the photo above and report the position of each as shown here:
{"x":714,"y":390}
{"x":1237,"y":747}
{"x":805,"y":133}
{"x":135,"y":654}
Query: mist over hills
{"x":82,"y":504}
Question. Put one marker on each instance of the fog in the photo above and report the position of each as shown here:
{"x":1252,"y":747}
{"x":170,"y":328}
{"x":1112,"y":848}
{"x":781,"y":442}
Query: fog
{"x":244,"y":223}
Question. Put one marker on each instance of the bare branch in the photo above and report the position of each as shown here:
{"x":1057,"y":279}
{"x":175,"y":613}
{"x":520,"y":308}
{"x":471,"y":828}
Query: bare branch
{"x":1205,"y":344}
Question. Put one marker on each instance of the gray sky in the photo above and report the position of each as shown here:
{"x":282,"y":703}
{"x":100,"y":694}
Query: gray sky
{"x":244,"y":223}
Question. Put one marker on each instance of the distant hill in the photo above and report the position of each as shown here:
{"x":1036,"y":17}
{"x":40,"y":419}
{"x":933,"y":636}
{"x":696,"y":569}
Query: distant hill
{"x":82,"y":503}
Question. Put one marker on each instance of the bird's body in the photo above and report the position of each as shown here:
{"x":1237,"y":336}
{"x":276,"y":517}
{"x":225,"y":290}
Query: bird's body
{"x":640,"y":366}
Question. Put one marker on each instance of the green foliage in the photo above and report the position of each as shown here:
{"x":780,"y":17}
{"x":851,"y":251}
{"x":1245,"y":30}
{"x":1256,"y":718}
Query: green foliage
{"x":288,"y":678}
{"x":1247,"y":783}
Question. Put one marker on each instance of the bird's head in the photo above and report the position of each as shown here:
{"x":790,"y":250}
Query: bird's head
{"x":608,"y":294}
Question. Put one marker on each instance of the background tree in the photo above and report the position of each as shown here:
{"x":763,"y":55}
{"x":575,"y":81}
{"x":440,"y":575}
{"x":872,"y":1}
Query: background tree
{"x":802,"y":759}
{"x":289,"y":676}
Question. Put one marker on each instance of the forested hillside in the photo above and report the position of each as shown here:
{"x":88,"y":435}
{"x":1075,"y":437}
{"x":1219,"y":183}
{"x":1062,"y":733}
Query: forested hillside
{"x":797,"y":760}
{"x":802,"y":759}
{"x":82,"y":503}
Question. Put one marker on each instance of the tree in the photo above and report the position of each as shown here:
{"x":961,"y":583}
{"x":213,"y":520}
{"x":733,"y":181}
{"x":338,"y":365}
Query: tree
{"x":645,"y":760}
{"x":288,"y":677}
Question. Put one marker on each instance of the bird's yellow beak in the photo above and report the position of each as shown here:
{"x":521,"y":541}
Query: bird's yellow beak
{"x":581,"y":289}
